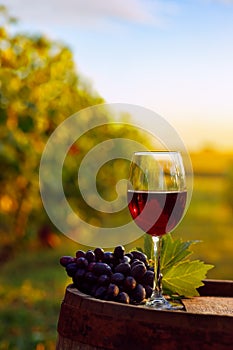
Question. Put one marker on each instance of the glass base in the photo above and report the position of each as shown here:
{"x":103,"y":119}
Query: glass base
{"x":158,"y":302}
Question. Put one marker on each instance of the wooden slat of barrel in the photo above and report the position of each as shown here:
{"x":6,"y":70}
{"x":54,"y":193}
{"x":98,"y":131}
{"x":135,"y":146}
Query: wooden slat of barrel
{"x":90,"y":324}
{"x":217,"y":288}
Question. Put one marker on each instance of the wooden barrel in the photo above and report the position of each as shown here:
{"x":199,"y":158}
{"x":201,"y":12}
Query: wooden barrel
{"x":90,"y":324}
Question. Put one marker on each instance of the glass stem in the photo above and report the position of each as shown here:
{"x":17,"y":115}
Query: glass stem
{"x":158,"y":275}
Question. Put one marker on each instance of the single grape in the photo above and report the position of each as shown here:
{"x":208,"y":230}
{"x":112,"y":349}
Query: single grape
{"x":125,"y":259}
{"x":102,"y":269}
{"x":123,"y":298}
{"x":99,"y":254}
{"x":91,"y":266}
{"x":100,"y":292}
{"x":79,"y":276}
{"x":119,"y":252}
{"x":129,"y":255}
{"x":123,"y":268}
{"x":140,"y":256}
{"x":80,"y":253}
{"x":148,"y":290}
{"x":118,"y":278}
{"x":129,"y":283}
{"x":90,"y":256}
{"x":135,"y":262}
{"x":138,"y":272}
{"x":112,"y":291}
{"x":82,"y":262}
{"x":138,"y":294}
{"x":65,"y":260}
{"x":148,"y":278}
{"x":71,"y":269}
{"x":103,"y":280}
{"x":108,"y":257}
{"x":90,"y":277}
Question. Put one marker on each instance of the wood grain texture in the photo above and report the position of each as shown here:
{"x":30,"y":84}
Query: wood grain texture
{"x":210,"y":305}
{"x":90,"y":324}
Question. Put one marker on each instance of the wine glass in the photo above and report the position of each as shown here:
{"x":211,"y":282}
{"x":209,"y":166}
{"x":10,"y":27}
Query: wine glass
{"x":156,"y":199}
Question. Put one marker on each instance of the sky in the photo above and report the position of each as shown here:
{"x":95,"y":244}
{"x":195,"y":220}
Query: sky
{"x":173,"y":57}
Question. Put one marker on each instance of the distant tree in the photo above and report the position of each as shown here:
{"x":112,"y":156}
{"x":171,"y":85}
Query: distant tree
{"x":39,"y":89}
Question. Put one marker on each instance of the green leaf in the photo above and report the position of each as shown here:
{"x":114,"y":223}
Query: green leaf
{"x":173,"y":251}
{"x":184,"y":277}
{"x":180,"y":275}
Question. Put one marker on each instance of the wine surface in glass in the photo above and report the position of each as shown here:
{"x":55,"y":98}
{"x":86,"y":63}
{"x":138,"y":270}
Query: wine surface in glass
{"x":156,"y":213}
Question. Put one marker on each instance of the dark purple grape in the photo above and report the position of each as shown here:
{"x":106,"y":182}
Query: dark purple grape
{"x":90,"y":256}
{"x":85,"y":287}
{"x":138,"y":294}
{"x":129,"y":283}
{"x":148,"y":278}
{"x":125,"y":259}
{"x":114,"y":262}
{"x":119,"y":252}
{"x":80,"y":254}
{"x":135,"y":262}
{"x":100,"y":292}
{"x":148,"y":290}
{"x":102,"y":269}
{"x":140,"y":256}
{"x":112,"y":266}
{"x":99,"y":254}
{"x":103,"y":280}
{"x":129,"y":255}
{"x":91,"y":266}
{"x":79,"y":276}
{"x":112,"y":291}
{"x":82,"y":262}
{"x":118,"y":278}
{"x":108,"y":257}
{"x":94,"y":289}
{"x":71,"y":269}
{"x":138,"y":272}
{"x":123,"y":298}
{"x":90,"y":277}
{"x":66,"y":259}
{"x":124,"y":268}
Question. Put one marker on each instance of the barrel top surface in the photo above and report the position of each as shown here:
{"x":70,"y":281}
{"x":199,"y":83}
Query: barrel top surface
{"x":110,"y":325}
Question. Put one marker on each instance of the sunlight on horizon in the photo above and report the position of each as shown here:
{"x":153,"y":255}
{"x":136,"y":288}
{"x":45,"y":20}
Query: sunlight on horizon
{"x":199,"y":135}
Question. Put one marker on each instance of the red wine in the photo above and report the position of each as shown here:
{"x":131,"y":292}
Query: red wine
{"x":156,"y":213}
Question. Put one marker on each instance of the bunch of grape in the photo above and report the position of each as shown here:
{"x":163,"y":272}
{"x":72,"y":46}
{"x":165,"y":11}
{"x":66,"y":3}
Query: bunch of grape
{"x":114,"y":276}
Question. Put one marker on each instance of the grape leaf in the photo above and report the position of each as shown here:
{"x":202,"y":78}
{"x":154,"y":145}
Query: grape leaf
{"x":180,"y":275}
{"x":184,"y":277}
{"x":173,"y":251}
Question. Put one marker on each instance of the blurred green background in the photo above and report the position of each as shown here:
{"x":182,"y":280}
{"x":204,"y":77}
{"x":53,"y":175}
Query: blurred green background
{"x":39,"y":89}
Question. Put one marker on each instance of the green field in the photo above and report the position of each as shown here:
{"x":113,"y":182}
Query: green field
{"x":210,"y":220}
{"x":31,"y":289}
{"x":32,"y":283}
